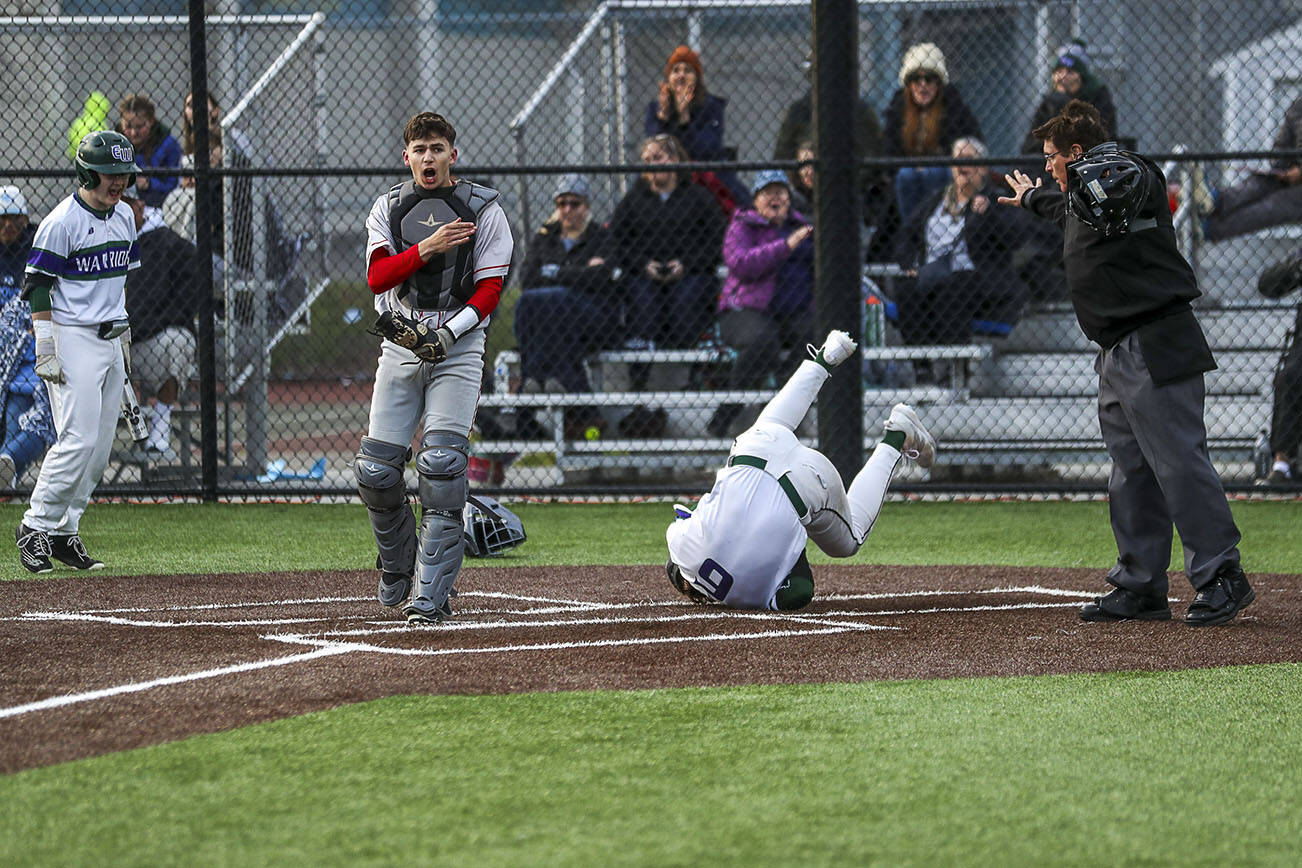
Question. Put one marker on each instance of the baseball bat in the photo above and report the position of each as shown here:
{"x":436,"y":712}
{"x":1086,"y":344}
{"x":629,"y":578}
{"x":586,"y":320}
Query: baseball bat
{"x":132,"y":413}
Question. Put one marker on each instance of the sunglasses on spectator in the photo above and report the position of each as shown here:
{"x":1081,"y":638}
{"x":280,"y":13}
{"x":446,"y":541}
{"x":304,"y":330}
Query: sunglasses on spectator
{"x":570,"y":203}
{"x":924,"y":77}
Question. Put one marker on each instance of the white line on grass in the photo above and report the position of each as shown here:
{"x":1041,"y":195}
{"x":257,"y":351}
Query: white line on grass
{"x":325,"y":650}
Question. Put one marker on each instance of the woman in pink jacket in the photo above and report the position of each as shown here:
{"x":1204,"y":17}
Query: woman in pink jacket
{"x":767,"y":301}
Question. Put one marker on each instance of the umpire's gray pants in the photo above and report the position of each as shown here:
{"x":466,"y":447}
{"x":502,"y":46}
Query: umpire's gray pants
{"x":1161,"y":474}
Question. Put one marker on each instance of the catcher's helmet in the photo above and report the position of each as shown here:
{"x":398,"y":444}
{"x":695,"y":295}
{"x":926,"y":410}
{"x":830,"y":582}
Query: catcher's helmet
{"x":105,"y":153}
{"x":490,"y":528}
{"x":1107,"y":188}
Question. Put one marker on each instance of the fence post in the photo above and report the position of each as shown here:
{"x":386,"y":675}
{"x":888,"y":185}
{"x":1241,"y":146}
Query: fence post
{"x":203,"y":218}
{"x":837,"y":218}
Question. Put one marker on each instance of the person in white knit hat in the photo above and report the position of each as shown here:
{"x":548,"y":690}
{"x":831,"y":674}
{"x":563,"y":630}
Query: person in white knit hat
{"x":924,"y":119}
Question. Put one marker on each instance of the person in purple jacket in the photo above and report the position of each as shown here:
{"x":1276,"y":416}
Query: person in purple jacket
{"x":767,"y":300}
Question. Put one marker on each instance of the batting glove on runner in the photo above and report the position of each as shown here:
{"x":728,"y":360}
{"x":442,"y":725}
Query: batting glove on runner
{"x":47,"y":363}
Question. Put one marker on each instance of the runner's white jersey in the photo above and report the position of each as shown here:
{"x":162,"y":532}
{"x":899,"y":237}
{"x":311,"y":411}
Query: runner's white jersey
{"x":493,"y":245}
{"x":742,"y":540}
{"x":89,"y":254}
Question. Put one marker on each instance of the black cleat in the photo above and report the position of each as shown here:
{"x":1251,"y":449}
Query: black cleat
{"x":1222,"y":599}
{"x":71,"y":551}
{"x":33,"y":549}
{"x":1125,"y":605}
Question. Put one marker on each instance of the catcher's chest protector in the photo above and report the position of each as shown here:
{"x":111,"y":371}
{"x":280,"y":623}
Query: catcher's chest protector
{"x":446,"y":281}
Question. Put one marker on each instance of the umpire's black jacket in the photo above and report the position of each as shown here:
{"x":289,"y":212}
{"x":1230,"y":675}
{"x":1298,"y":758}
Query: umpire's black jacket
{"x":1135,"y":281}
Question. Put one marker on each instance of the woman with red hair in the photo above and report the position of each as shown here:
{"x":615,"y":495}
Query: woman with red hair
{"x":685,"y":110}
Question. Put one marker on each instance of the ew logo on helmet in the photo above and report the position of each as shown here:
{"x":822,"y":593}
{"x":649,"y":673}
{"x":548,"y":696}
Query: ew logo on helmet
{"x":124,"y":153}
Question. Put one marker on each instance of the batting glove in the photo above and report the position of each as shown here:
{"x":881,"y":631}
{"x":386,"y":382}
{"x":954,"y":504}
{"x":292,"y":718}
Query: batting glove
{"x":48,"y":367}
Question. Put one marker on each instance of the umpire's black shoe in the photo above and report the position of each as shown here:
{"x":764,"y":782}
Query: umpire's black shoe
{"x":1125,"y":605}
{"x":33,"y":549}
{"x":1222,"y":599}
{"x":72,"y":552}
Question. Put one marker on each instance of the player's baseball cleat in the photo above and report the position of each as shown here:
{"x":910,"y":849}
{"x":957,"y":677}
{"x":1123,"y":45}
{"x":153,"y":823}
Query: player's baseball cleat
{"x":1125,"y":605}
{"x":1218,"y":602}
{"x":918,"y":442}
{"x":394,"y":589}
{"x":838,"y":347}
{"x":71,"y":551}
{"x":418,"y":616}
{"x":33,"y":549}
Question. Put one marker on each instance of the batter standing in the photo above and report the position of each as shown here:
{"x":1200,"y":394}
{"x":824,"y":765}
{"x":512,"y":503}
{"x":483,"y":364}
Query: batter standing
{"x":1132,"y":290}
{"x":744,"y":545}
{"x":437,"y":251}
{"x":74,"y":283}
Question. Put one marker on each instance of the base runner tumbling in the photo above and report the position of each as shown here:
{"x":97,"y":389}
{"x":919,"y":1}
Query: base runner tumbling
{"x":75,"y":277}
{"x":744,"y":545}
{"x":437,"y":252}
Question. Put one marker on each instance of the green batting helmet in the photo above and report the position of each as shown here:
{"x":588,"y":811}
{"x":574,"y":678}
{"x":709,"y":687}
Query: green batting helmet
{"x":105,"y":152}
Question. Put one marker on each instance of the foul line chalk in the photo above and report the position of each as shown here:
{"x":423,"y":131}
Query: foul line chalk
{"x":329,"y":650}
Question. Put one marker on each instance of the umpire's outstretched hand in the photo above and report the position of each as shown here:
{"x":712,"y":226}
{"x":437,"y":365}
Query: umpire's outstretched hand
{"x":1020,"y":184}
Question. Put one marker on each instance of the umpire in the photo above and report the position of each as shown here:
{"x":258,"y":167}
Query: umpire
{"x":1132,"y":290}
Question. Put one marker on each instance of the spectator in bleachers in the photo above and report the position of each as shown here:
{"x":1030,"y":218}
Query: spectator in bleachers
{"x":1264,"y":199}
{"x":235,"y":150}
{"x":684,"y":109}
{"x":569,"y":307}
{"x":155,"y":147}
{"x":924,"y":119}
{"x":797,"y":132}
{"x":1286,"y":416}
{"x":802,"y":180}
{"x":665,"y":236}
{"x":94,"y":116}
{"x":26,"y":422}
{"x":957,"y":249}
{"x":1071,"y":78}
{"x":162,"y":304}
{"x":767,"y":301}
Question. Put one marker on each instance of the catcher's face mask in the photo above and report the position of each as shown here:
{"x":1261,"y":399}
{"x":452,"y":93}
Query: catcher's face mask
{"x":490,"y":528}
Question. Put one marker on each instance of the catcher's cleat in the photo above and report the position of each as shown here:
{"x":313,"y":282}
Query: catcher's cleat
{"x":838,"y":347}
{"x":919,"y":445}
{"x":33,"y":549}
{"x":418,"y":617}
{"x":71,"y":551}
{"x":394,"y":589}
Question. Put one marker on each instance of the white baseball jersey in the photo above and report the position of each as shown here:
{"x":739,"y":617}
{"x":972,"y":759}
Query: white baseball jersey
{"x":741,"y":541}
{"x":493,"y":245}
{"x":89,"y":254}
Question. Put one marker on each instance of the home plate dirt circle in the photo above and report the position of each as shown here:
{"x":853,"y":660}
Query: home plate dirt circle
{"x":101,"y":664}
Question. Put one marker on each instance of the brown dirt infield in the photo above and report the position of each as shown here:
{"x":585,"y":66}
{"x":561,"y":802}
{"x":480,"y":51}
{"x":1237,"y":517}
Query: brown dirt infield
{"x":238,"y":649}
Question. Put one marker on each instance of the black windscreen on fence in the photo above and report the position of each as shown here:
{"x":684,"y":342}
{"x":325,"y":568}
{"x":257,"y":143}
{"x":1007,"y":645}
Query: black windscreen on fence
{"x":642,"y":180}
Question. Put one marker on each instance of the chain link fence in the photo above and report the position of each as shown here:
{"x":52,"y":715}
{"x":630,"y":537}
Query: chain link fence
{"x":658,"y":163}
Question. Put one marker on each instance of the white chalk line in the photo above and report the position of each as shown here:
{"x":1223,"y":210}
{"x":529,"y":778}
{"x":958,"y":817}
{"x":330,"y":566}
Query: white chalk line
{"x":323,"y":650}
{"x":556,"y":646}
{"x":326,"y":648}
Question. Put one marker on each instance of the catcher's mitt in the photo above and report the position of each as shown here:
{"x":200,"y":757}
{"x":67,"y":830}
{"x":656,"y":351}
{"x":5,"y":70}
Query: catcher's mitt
{"x":428,"y":345}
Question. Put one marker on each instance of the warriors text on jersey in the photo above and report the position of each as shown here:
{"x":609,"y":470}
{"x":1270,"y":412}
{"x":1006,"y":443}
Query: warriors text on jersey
{"x":88,"y":253}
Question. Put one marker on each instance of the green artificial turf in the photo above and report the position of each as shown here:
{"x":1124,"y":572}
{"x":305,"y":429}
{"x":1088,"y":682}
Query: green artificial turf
{"x":1170,"y":768}
{"x":215,"y":538}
